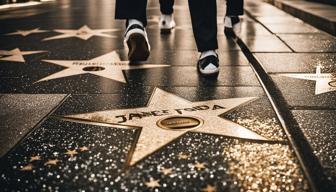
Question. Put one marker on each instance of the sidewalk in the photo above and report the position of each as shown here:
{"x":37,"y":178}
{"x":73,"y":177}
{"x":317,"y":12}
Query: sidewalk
{"x":322,"y":16}
{"x":303,"y":76}
{"x":76,"y":115}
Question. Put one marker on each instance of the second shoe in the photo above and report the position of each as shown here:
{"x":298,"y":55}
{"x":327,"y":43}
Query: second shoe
{"x":167,"y":23}
{"x":232,"y":26}
{"x":137,"y":42}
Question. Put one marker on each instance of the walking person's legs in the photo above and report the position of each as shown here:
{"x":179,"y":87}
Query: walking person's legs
{"x":166,"y":19}
{"x":232,"y":23}
{"x":134,"y":12}
{"x":204,"y":22}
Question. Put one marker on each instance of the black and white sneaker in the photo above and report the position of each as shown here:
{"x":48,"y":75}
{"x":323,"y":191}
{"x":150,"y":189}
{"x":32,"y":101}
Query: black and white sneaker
{"x":232,"y":26}
{"x":137,"y":42}
{"x":167,"y":23}
{"x":208,"y":65}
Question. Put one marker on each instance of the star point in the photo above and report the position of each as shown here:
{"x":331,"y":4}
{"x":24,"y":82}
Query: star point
{"x":51,"y":162}
{"x":153,"y":183}
{"x":71,"y":152}
{"x":83,"y":33}
{"x":199,"y":166}
{"x":108,"y":66}
{"x":325,"y":82}
{"x":16,"y":55}
{"x":35,"y":158}
{"x":28,"y":167}
{"x":183,"y":155}
{"x":153,"y":137}
{"x":25,"y":33}
{"x":166,"y":171}
{"x":209,"y":188}
{"x":82,"y":149}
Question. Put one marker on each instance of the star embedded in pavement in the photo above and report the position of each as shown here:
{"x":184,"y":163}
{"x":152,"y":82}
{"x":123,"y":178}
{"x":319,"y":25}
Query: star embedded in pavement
{"x":52,"y":162}
{"x":199,"y":166}
{"x":83,"y":149}
{"x":183,"y":156}
{"x":83,"y":33}
{"x":16,"y":55}
{"x":325,"y":82}
{"x":28,"y":167}
{"x":172,"y":111}
{"x":209,"y":188}
{"x":153,"y":183}
{"x":166,"y":171}
{"x":35,"y":158}
{"x":109,"y":66}
{"x":27,"y":32}
{"x":71,"y":152}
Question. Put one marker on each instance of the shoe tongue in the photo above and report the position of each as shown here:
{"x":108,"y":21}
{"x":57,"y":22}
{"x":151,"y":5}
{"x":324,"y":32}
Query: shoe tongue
{"x":227,"y":22}
{"x":210,"y":66}
{"x":208,"y":53}
{"x":134,"y":22}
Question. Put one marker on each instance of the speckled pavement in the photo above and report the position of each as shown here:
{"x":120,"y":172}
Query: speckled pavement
{"x":77,"y":116}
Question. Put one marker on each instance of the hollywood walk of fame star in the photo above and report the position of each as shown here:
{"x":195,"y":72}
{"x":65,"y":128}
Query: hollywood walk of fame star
{"x":28,"y":167}
{"x":199,"y":166}
{"x":83,"y":33}
{"x":27,"y":32}
{"x":52,"y":162}
{"x":35,"y":158}
{"x":16,"y":55}
{"x":109,"y":66}
{"x":183,"y":155}
{"x":209,"y":188}
{"x":166,"y":171}
{"x":153,"y":183}
{"x":162,"y":105}
{"x":71,"y":152}
{"x":325,"y":82}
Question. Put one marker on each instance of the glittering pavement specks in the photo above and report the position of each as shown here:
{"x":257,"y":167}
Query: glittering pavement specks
{"x":259,"y":117}
{"x":198,"y":162}
{"x":64,"y":155}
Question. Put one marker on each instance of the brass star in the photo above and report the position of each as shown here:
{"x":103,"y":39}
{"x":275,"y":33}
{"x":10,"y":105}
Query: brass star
{"x":209,"y":188}
{"x":52,"y":162}
{"x":28,"y":167}
{"x":71,"y":152}
{"x":83,"y":149}
{"x":35,"y":158}
{"x":153,"y":183}
{"x":166,"y":171}
{"x":183,"y":155}
{"x":199,"y":166}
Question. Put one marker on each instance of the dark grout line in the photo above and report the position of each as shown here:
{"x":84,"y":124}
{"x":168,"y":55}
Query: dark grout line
{"x":254,"y":19}
{"x":38,"y":124}
{"x":312,"y":108}
{"x":302,"y":149}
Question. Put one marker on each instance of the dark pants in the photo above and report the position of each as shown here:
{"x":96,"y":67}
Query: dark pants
{"x":167,"y":6}
{"x":203,"y":16}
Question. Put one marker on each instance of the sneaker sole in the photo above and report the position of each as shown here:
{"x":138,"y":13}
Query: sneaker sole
{"x":138,"y":48}
{"x":166,"y":31}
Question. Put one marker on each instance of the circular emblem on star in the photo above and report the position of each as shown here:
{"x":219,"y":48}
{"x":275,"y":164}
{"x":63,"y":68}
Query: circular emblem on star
{"x":95,"y":68}
{"x":180,"y":123}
